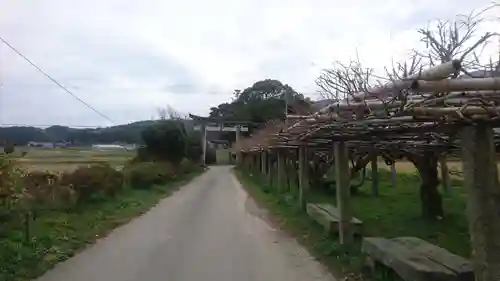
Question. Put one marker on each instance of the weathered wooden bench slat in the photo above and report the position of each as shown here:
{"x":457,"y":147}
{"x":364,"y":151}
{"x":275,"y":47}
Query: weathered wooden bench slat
{"x":414,"y":259}
{"x":328,"y":216}
{"x":333,"y":211}
{"x":456,"y":263}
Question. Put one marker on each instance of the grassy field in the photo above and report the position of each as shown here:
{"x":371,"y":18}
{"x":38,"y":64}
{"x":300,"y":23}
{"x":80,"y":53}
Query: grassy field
{"x":454,"y":167}
{"x":396,"y":212}
{"x":64,"y":159}
{"x":408,"y":167}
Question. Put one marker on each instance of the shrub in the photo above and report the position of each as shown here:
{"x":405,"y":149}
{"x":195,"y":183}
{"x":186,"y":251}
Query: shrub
{"x":194,"y":148}
{"x":211,"y":157}
{"x":10,"y":187}
{"x":91,"y":180}
{"x":114,"y":181}
{"x":7,"y":179}
{"x":46,"y":189}
{"x":39,"y":185}
{"x":143,"y":155}
{"x":38,"y":178}
{"x":187,"y":166}
{"x":8,"y":149}
{"x":146,"y":174}
{"x":165,"y":141}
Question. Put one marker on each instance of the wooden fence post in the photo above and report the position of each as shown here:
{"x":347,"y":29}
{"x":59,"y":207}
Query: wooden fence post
{"x":483,"y":200}
{"x":445,"y":176}
{"x":343,"y":192}
{"x":303,"y":182}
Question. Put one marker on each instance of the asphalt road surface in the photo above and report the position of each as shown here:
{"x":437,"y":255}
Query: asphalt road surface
{"x":209,"y":230}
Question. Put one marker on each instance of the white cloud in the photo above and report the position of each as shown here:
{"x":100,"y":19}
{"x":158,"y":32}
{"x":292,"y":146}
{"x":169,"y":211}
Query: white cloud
{"x":129,"y":57}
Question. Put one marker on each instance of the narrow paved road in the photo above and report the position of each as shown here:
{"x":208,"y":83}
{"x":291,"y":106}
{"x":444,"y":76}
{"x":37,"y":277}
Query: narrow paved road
{"x":210,"y":230}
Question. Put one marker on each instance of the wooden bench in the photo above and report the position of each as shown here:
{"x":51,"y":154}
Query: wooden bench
{"x":414,"y":259}
{"x":328,"y":216}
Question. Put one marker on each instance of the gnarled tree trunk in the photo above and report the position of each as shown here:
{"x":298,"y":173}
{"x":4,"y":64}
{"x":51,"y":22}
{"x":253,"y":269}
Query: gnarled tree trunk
{"x":315,"y":174}
{"x":431,"y":200}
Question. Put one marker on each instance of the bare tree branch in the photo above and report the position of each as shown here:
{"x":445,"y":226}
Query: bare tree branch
{"x":170,"y":113}
{"x":162,"y":113}
{"x":344,"y":80}
{"x":456,"y":39}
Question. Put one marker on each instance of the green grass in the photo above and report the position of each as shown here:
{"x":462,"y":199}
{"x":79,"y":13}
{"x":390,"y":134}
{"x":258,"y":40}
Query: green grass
{"x":395,"y":212}
{"x":58,"y":235}
{"x":65,"y":153}
{"x":293,"y":220}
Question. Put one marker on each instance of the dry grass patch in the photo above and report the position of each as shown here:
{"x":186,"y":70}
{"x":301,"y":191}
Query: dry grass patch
{"x":60,"y":160}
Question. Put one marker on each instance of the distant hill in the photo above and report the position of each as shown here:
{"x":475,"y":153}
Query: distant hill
{"x":129,"y":133}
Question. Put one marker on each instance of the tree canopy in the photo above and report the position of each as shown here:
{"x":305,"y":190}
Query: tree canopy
{"x":166,"y":140}
{"x":263,"y":101}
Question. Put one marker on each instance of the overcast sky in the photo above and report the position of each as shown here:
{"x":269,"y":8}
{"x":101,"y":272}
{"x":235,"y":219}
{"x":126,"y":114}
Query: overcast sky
{"x":126,"y":58}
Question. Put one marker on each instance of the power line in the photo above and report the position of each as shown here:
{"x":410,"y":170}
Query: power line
{"x":55,"y":81}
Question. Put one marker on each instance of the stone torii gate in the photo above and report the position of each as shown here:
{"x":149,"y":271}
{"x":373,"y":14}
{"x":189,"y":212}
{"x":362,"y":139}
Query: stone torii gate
{"x":211,"y":124}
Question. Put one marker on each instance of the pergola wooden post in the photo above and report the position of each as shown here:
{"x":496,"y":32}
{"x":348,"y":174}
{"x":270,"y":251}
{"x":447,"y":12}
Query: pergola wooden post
{"x":288,"y":174}
{"x":374,"y":170}
{"x":255,"y":163}
{"x":243,"y":160}
{"x":394,"y":174}
{"x":483,"y":200}
{"x":303,"y":177}
{"x":263,"y":163}
{"x":258,"y":163}
{"x":294,"y":170}
{"x":343,"y":192}
{"x":281,"y":167}
{"x":445,"y":176}
{"x":249,"y":160}
{"x":269,"y":166}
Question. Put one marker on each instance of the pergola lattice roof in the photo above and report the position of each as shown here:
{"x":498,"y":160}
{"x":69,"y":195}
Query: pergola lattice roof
{"x":421,"y":112}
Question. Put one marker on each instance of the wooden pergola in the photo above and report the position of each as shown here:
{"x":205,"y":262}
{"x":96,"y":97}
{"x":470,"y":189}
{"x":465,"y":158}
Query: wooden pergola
{"x":421,"y":114}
